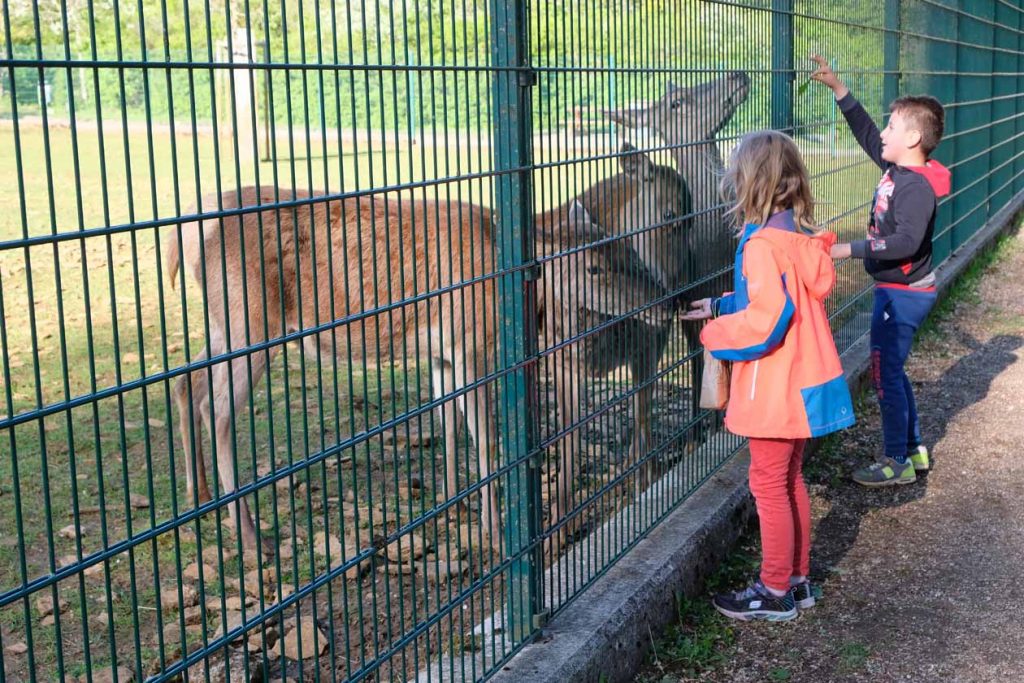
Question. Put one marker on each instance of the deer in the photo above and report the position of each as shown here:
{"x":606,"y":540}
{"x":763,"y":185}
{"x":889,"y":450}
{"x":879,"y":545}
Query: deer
{"x":650,"y":205}
{"x":269,"y":271}
{"x":688,"y":119}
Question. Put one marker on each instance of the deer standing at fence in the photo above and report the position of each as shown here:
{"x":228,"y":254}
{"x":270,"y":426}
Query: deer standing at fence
{"x":648,"y":204}
{"x":273,"y":271}
{"x":688,"y":119}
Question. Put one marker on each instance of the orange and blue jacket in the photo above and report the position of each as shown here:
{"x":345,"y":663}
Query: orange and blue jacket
{"x":787,"y":380}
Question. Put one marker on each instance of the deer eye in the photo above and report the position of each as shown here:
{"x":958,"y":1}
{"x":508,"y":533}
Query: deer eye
{"x":676,"y":103}
{"x":668,"y":215}
{"x":595,"y":270}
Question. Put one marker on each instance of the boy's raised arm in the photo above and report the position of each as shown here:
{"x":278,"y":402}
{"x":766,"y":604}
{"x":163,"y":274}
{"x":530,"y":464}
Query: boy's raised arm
{"x":860,"y":122}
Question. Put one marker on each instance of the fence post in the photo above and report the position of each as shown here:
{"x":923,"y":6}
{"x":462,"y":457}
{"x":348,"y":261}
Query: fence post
{"x":611,"y":96}
{"x":834,"y":118}
{"x":512,"y":80}
{"x":412,"y":87}
{"x":782,"y":66}
{"x":891,"y":53}
{"x":1005,"y":107}
{"x":1018,"y":168}
{"x":267,"y":123}
{"x":241,"y":53}
{"x":973,"y":92}
{"x":943,"y":24}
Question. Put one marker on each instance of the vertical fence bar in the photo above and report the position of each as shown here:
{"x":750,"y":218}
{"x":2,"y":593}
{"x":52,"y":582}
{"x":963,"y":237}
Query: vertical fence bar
{"x":513,"y":216}
{"x":782,"y":66}
{"x":1017,"y":65}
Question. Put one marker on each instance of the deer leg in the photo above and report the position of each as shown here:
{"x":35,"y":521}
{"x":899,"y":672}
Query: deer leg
{"x":231,"y":393}
{"x":481,"y":427}
{"x":443,"y":381}
{"x":641,"y":426}
{"x":190,"y":421}
{"x":643,"y":368}
{"x":568,"y":393}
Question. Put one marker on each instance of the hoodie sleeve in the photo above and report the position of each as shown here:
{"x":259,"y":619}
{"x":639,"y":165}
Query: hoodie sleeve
{"x":758,"y":329}
{"x":912,"y":207}
{"x":863,"y":128}
{"x":723,"y":305}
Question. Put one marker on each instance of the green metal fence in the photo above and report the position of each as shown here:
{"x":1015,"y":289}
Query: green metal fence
{"x":406,"y":276}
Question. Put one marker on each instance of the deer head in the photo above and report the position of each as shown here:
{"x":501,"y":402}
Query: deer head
{"x":689,"y":114}
{"x":593,"y":270}
{"x":651,"y":203}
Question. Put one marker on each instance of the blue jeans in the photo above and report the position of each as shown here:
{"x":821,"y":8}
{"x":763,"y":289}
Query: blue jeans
{"x":897,"y":315}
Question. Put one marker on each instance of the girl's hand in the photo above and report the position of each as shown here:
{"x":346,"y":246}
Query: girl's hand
{"x":701,"y":310}
{"x":827,"y":77}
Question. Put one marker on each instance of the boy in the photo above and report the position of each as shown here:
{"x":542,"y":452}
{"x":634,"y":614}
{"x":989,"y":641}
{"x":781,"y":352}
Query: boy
{"x":898,"y":255}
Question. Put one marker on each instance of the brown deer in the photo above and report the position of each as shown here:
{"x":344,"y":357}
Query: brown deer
{"x":688,"y":119}
{"x":276,"y":271}
{"x":268,"y":272}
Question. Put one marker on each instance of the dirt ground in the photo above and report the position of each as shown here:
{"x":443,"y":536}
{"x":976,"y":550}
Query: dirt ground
{"x":920,"y":583}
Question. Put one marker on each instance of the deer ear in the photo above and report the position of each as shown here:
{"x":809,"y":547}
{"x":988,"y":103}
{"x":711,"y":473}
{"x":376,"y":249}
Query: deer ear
{"x":579,"y":217}
{"x":635,"y":163}
{"x":630,"y":118}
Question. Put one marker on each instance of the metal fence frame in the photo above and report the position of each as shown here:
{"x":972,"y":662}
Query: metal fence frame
{"x":968,"y":53}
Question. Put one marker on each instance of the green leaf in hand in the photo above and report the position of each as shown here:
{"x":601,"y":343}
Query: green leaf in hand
{"x":802,"y":88}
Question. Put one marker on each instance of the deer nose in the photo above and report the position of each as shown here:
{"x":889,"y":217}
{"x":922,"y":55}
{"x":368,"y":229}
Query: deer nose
{"x":741,"y":76}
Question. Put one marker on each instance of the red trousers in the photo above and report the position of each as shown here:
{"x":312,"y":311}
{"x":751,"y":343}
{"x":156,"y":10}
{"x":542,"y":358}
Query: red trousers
{"x":777,"y":482}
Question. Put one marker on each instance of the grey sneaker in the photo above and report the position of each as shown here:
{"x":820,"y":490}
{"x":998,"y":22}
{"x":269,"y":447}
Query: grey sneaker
{"x":886,"y":472}
{"x":756,"y":602}
{"x":805,"y":594}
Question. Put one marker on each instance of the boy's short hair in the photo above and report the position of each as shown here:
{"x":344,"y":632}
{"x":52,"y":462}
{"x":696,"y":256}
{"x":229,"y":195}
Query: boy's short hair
{"x":925,"y":114}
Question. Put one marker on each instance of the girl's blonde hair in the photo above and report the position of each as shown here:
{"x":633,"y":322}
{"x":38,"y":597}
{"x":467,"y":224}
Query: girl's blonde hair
{"x":767,"y":174}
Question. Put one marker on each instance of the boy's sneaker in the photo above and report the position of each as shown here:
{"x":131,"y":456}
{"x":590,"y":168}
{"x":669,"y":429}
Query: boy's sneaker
{"x":886,"y":472}
{"x":756,"y":602}
{"x":920,"y":459}
{"x":804,"y":595}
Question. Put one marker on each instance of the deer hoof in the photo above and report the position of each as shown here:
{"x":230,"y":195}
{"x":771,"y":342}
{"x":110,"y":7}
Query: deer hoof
{"x":204,"y":495}
{"x":556,"y":543}
{"x":258,"y":554}
{"x":643,"y":477}
{"x":200,"y":494}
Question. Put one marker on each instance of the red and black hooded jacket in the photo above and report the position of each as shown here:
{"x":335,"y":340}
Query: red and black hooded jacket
{"x":898,"y":248}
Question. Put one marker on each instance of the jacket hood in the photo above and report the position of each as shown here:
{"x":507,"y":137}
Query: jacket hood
{"x":937,"y":175}
{"x":809,"y":255}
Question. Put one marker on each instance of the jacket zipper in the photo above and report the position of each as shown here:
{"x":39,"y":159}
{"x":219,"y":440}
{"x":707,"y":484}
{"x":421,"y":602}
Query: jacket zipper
{"x":753,"y":385}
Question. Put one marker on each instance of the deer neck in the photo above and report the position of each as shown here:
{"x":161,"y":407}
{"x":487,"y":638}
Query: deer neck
{"x":700,"y":164}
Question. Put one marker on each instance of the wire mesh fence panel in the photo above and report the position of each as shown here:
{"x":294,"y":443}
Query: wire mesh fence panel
{"x":341,"y":340}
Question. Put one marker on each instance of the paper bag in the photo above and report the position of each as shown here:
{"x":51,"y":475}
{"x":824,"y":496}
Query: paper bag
{"x":714,"y":385}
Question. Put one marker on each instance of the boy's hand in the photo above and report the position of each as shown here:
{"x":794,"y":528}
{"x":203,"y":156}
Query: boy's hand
{"x":701,"y":310}
{"x":826,"y":76}
{"x":839,"y":251}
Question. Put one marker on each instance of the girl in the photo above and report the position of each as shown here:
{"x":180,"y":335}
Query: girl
{"x":787,"y":382}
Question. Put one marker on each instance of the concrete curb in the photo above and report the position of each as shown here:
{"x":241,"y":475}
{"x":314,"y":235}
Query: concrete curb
{"x":606,"y":636}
